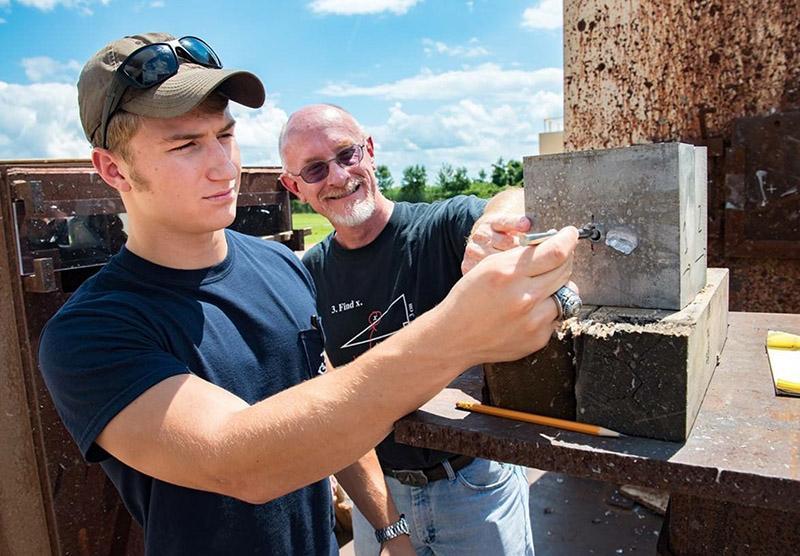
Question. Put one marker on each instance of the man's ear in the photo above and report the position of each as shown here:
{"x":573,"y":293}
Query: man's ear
{"x":370,"y":150}
{"x":291,"y":186}
{"x":111,"y":169}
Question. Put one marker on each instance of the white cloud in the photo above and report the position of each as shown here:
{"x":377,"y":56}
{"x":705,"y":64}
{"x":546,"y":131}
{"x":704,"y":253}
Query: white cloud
{"x":43,"y":68}
{"x":84,"y":6}
{"x":361,"y":7}
{"x":484,"y":80}
{"x":158,"y":4}
{"x":257,"y":132}
{"x":471,"y":50}
{"x":465,"y":133}
{"x":547,"y":14}
{"x":40,"y":121}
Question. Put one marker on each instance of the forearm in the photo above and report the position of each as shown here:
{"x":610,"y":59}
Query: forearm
{"x":317,"y":428}
{"x":366,"y":486}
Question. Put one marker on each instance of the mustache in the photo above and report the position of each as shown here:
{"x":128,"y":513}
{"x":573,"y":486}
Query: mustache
{"x":351,"y":185}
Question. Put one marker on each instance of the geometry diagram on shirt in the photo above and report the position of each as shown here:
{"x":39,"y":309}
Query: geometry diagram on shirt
{"x":382,"y":324}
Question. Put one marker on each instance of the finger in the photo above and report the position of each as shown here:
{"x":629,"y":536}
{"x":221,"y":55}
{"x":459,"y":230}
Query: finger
{"x":573,"y":286}
{"x":548,"y":255}
{"x":509,"y":223}
{"x":504,"y":241}
{"x":542,"y":323}
{"x":548,"y":283}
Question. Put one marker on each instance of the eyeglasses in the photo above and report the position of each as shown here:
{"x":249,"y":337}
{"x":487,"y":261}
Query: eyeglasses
{"x":317,"y":171}
{"x":151,"y":65}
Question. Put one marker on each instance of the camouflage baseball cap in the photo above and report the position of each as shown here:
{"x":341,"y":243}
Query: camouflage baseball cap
{"x":177,"y":95}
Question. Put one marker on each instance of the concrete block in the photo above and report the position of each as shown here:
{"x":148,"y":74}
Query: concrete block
{"x":655,"y":192}
{"x":542,"y":383}
{"x":644,"y":372}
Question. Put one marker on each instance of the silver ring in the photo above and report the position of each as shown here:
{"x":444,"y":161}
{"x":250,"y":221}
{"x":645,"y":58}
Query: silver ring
{"x":568,"y":302}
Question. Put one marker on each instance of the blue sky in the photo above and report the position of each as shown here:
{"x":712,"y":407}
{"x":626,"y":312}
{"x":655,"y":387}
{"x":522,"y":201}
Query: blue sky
{"x":433,"y":81}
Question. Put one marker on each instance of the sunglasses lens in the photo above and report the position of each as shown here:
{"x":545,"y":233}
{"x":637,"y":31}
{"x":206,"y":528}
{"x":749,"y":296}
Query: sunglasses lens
{"x":349,"y":156}
{"x":200,"y":52}
{"x":150,"y":65}
{"x":314,"y":172}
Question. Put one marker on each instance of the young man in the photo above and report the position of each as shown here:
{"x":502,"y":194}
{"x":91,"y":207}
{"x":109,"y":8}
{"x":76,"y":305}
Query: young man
{"x":384,"y":265}
{"x":185,"y":365}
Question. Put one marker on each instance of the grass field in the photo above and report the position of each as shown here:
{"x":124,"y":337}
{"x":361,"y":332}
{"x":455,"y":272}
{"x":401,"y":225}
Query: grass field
{"x":320,"y":227}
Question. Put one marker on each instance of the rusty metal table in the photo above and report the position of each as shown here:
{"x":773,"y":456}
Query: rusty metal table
{"x":736,"y":479}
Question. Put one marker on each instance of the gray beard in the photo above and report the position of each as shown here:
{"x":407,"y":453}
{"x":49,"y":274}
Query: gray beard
{"x":359,"y":213}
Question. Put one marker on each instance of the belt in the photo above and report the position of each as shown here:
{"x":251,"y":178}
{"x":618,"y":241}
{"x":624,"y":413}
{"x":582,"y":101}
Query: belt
{"x":421,"y":477}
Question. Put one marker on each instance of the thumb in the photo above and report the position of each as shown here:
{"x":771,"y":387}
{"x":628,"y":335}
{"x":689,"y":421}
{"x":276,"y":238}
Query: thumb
{"x":510,"y":223}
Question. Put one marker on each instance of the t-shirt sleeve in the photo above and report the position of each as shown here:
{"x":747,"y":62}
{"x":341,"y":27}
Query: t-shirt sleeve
{"x":95,"y":363}
{"x":455,"y":218}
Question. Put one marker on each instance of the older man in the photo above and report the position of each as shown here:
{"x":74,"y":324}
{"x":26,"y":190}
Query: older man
{"x":384,"y":265}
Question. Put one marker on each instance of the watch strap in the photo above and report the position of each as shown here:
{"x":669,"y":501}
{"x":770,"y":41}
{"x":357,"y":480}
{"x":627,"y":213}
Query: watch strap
{"x":393,"y":530}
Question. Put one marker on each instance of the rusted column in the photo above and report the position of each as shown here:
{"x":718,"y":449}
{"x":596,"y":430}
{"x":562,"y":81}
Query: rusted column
{"x":23,"y":523}
{"x":675,"y":70}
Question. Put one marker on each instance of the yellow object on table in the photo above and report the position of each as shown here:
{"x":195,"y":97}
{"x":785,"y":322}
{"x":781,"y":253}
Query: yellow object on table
{"x":783,"y":350}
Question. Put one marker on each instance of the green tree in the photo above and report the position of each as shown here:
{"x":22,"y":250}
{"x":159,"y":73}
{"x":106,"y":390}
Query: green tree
{"x":452,"y":181}
{"x":445,"y":176}
{"x":384,"y":177}
{"x":460,"y":182}
{"x":482,"y":175}
{"x":514,"y":172}
{"x":499,"y":176}
{"x":414,"y":180}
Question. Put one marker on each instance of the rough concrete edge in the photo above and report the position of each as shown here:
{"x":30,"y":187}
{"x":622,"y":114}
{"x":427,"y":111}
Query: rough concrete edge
{"x":675,"y":323}
{"x":720,"y":278}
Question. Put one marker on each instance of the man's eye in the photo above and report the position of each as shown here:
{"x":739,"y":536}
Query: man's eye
{"x":226,"y":135}
{"x":183,"y":147}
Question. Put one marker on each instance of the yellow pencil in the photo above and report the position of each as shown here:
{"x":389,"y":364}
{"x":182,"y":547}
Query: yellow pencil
{"x":537,"y":419}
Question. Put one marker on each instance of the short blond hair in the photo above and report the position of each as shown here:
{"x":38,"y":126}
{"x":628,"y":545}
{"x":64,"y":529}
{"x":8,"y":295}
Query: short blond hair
{"x":124,"y":125}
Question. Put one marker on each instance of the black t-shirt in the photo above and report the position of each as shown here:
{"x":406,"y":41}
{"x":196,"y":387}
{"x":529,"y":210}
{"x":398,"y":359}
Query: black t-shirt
{"x":243,"y":325}
{"x":367,"y":294}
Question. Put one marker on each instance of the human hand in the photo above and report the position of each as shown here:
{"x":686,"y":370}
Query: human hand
{"x":502,"y":308}
{"x":398,"y":546}
{"x":492,"y":234}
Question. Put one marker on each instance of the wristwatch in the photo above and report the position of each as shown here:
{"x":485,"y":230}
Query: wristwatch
{"x":399,"y":527}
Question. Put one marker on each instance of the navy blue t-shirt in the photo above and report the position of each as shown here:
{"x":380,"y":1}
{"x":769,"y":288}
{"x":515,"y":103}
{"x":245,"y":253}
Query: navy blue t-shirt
{"x":365,"y":295}
{"x":243,"y":325}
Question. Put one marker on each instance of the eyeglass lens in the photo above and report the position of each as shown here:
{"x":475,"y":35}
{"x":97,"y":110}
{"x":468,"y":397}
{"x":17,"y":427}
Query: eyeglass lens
{"x":150,"y":66}
{"x":318,"y":171}
{"x":157,"y":62}
{"x":200,"y":52}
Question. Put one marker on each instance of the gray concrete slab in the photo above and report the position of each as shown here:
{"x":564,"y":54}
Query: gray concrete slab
{"x":653,"y":193}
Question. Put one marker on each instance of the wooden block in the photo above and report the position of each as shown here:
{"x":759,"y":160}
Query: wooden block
{"x":644,"y":372}
{"x":656,"y":193}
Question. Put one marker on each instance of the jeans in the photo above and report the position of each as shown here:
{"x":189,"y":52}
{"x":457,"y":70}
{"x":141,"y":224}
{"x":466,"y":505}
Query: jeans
{"x":481,"y":509}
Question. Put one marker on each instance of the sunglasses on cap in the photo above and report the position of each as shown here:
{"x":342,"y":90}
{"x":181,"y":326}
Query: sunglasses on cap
{"x":151,"y":65}
{"x":317,"y":171}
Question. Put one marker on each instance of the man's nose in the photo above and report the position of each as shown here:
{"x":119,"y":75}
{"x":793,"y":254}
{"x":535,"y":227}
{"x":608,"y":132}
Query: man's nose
{"x":221,"y":166}
{"x":337,"y":173}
